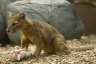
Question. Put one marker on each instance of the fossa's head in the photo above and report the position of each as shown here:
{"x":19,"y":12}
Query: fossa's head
{"x":15,"y":22}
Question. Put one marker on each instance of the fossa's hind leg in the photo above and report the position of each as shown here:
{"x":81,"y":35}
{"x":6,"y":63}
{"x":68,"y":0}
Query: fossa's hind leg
{"x":59,"y":44}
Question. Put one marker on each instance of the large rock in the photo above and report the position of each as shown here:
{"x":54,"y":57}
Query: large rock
{"x":58,"y":13}
{"x":3,"y":19}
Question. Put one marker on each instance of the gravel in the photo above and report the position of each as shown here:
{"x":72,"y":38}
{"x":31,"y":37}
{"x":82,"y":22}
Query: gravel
{"x":82,"y":57}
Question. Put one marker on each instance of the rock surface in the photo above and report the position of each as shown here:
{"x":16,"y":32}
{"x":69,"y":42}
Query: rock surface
{"x":60,"y":14}
{"x":3,"y":20}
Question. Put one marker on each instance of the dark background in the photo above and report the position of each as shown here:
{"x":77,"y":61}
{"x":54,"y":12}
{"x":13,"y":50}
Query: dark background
{"x":88,"y":16}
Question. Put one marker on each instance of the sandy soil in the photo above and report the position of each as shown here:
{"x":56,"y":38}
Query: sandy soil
{"x":82,"y":57}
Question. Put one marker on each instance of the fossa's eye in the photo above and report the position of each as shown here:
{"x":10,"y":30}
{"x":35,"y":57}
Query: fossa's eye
{"x":16,"y":22}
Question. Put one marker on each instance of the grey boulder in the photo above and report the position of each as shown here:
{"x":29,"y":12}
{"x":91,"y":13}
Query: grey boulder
{"x":60,"y":14}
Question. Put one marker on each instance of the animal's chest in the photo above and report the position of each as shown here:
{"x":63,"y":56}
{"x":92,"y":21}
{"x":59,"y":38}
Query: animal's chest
{"x":31,"y":35}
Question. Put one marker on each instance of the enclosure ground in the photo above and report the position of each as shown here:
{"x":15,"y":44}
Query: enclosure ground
{"x":82,"y":57}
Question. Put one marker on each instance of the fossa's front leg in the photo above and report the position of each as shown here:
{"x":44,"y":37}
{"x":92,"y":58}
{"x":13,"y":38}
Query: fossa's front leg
{"x":39,"y":46}
{"x":24,"y":42}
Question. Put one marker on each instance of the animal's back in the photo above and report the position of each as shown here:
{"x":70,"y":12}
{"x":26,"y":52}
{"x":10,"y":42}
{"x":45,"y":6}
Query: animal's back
{"x":45,"y":28}
{"x":49,"y":33}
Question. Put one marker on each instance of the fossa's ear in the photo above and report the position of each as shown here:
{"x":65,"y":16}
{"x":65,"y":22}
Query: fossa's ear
{"x":22,"y":15}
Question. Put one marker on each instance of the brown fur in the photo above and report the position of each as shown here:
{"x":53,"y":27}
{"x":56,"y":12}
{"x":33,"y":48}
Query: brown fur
{"x":85,"y":2}
{"x":43,"y":35}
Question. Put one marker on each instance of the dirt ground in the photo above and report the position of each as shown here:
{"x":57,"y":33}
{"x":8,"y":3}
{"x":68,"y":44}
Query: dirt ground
{"x":82,"y":57}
